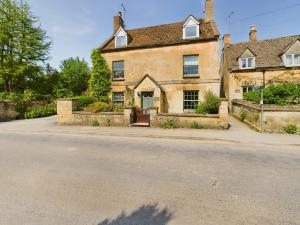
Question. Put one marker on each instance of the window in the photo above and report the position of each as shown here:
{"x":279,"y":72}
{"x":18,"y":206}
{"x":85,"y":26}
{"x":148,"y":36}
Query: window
{"x":118,"y":98}
{"x":190,"y":100}
{"x":292,"y":60}
{"x":191,"y":32}
{"x":247,"y":89}
{"x":247,"y":63}
{"x":190,"y":66}
{"x":120,"y":41}
{"x":118,"y":70}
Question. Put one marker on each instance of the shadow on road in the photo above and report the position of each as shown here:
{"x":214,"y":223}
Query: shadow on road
{"x":145,"y":215}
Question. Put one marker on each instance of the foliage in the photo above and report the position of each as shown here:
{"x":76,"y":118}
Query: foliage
{"x":24,"y":46}
{"x":38,"y":112}
{"x":252,"y":96}
{"x":243,"y":115}
{"x":107,"y":122}
{"x":100,"y":82}
{"x":169,"y":124}
{"x":196,"y":125}
{"x":291,"y":129}
{"x":74,"y":76}
{"x":100,"y":107}
{"x":279,"y":94}
{"x":83,"y":101}
{"x":210,"y":105}
{"x":118,"y":108}
{"x":130,"y":97}
{"x":10,"y":96}
{"x":95,"y":123}
{"x":21,"y":108}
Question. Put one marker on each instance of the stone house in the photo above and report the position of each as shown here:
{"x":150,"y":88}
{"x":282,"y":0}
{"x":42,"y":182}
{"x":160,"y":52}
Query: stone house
{"x":168,"y":66}
{"x":249,"y":65}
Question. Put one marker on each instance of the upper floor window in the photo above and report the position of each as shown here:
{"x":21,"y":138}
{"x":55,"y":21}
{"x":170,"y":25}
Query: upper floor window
{"x":118,"y":98}
{"x":120,"y":41}
{"x":190,"y":65}
{"x":191,"y":28}
{"x":118,"y":70}
{"x":292,"y":60}
{"x":247,"y":63}
{"x":121,"y":38}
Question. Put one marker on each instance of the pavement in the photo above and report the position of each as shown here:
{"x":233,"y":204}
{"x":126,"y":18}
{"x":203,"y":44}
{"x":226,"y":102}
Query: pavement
{"x":85,"y":176}
{"x":238,"y":133}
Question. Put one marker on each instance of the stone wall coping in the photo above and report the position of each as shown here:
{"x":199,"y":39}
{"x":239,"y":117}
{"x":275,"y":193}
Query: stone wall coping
{"x":100,"y":113}
{"x":189,"y":115}
{"x":267,"y":107}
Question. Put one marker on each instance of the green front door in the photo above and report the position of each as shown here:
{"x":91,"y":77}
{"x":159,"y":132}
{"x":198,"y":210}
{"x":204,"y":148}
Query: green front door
{"x":147,"y":100}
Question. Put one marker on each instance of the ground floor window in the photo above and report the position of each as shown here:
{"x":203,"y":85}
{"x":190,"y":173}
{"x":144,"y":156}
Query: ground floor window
{"x":118,"y":98}
{"x":190,"y":100}
{"x":248,"y":89}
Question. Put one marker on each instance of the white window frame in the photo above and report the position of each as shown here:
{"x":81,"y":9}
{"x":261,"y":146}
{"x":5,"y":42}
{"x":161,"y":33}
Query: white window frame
{"x":196,"y":92}
{"x":293,"y":60}
{"x":121,"y":33}
{"x":118,"y":101}
{"x":247,"y":63}
{"x":185,"y":64}
{"x":191,"y":22}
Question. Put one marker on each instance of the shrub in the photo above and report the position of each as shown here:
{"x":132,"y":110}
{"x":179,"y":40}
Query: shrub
{"x":252,"y":96}
{"x":210,"y":105}
{"x":196,"y":125}
{"x":291,"y":129}
{"x":83,"y":101}
{"x":100,"y":107}
{"x":281,"y":94}
{"x":10,"y":96}
{"x":107,"y":122}
{"x":21,"y":108}
{"x":118,"y":108}
{"x":38,"y":112}
{"x":242,"y":115}
{"x":169,"y":124}
{"x":95,"y":123}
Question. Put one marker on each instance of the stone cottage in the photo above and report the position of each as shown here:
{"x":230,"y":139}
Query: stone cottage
{"x":167,"y":66}
{"x":249,"y":65}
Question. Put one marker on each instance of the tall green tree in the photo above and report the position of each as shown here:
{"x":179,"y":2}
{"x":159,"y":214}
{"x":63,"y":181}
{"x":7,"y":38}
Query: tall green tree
{"x":100,"y":82}
{"x":74,"y":76}
{"x":24,"y":45}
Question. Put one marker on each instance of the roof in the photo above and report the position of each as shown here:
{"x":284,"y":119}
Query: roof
{"x":268,"y":52}
{"x":162,"y":35}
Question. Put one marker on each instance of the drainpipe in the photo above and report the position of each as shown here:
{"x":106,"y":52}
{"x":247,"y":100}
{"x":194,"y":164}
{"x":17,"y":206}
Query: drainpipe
{"x":262,"y":102}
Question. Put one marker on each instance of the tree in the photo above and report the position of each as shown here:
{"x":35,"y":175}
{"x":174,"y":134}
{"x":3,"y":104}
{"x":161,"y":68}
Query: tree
{"x":74,"y":76}
{"x":24,"y":45}
{"x":100,"y":83}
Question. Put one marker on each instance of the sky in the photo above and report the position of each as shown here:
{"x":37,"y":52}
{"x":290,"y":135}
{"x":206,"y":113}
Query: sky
{"x":77,"y":26}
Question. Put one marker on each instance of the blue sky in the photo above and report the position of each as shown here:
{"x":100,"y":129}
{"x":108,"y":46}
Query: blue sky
{"x":77,"y":26}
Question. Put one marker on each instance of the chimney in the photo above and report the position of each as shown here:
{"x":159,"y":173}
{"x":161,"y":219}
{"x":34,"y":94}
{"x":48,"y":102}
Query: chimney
{"x":253,"y":33}
{"x":209,"y":10}
{"x":118,"y":22}
{"x":226,"y":40}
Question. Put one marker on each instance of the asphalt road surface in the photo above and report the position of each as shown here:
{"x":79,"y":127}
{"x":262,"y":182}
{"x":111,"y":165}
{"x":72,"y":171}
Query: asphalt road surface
{"x":65,"y":179}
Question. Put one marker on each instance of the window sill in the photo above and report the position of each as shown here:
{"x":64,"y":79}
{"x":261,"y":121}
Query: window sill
{"x":191,"y":76}
{"x":120,"y":79}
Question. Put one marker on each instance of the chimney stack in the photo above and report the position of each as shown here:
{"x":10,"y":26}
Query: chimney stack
{"x":118,"y":22}
{"x":209,"y":10}
{"x":253,"y":33}
{"x":226,"y":40}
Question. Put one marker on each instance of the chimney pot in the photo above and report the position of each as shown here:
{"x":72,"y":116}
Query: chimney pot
{"x":118,"y":22}
{"x":253,"y":33}
{"x":209,"y":10}
{"x":226,"y":39}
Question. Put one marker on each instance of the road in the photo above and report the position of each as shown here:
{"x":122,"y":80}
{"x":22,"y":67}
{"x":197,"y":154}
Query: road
{"x":70,"y":179}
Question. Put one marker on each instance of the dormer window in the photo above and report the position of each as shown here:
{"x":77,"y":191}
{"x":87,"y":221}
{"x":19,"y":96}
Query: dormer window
{"x":191,"y":28}
{"x":121,"y":39}
{"x":292,"y":60}
{"x":247,"y":63}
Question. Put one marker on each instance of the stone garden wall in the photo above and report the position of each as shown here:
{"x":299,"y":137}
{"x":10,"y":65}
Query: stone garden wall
{"x":9,"y":111}
{"x":275,"y":118}
{"x":66,"y":115}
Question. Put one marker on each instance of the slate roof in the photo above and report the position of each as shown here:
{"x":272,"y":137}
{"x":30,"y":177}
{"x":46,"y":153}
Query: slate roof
{"x":268,"y":52}
{"x":162,"y":35}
